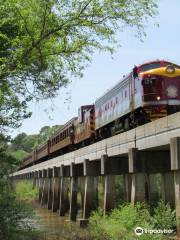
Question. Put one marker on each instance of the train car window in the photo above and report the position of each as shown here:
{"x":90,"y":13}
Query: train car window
{"x":116,"y":100}
{"x":125,"y":94}
{"x":150,"y":66}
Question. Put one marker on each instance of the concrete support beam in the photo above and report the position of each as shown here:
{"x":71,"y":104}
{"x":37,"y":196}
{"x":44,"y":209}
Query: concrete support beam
{"x":175,"y":153}
{"x":90,"y":191}
{"x":56,"y":189}
{"x":40,"y":180}
{"x":177,"y":199}
{"x":49,"y":200}
{"x":44,"y":195}
{"x":175,"y":165}
{"x":64,"y":200}
{"x":74,"y":190}
{"x":154,"y":193}
{"x":127,"y":187}
{"x":138,"y":193}
{"x":168,"y":193}
{"x":109,"y":185}
{"x":138,"y":190}
{"x":109,"y":193}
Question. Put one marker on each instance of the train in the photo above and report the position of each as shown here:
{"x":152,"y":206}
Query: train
{"x":150,"y":91}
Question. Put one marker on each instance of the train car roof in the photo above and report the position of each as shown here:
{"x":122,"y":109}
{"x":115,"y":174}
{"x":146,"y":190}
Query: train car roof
{"x":125,"y":77}
{"x":64,"y":127}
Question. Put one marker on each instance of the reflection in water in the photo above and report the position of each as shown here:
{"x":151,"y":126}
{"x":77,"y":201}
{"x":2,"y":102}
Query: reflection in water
{"x":50,"y":224}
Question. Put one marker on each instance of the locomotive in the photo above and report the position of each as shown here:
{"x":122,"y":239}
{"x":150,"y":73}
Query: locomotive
{"x":150,"y":91}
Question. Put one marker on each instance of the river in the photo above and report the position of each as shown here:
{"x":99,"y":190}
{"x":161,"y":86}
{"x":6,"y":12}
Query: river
{"x":51,"y":225}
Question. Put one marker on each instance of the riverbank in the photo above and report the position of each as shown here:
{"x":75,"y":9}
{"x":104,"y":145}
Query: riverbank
{"x":119,"y":225}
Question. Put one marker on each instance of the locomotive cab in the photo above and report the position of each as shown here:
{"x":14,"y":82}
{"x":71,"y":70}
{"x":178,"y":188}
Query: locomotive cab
{"x":161,"y":88}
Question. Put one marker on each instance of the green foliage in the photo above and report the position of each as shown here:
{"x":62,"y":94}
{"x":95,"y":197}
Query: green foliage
{"x":46,"y":132}
{"x":121,"y":223}
{"x":11,"y":212}
{"x":19,"y":154}
{"x":17,"y":142}
{"x":164,"y":217}
{"x":45,"y":43}
{"x":25,"y":191}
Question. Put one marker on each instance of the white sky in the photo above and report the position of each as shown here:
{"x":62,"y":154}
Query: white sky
{"x":162,"y":42}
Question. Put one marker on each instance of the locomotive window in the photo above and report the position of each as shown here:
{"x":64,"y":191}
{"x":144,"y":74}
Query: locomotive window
{"x":150,"y":66}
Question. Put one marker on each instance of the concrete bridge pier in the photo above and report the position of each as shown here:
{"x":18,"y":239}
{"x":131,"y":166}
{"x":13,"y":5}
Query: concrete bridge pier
{"x":139,"y":179}
{"x":155,"y":183}
{"x":73,"y":192}
{"x":168,"y":192}
{"x":37,"y":180}
{"x":127,"y":187}
{"x":64,"y":199}
{"x":109,"y":185}
{"x":49,"y":182}
{"x":175,"y":167}
{"x":44,"y":195}
{"x":56,"y":189}
{"x":40,"y":180}
{"x":90,"y":189}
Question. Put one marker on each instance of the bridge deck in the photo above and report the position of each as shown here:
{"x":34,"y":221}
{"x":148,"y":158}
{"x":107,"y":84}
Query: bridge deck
{"x":156,"y":134}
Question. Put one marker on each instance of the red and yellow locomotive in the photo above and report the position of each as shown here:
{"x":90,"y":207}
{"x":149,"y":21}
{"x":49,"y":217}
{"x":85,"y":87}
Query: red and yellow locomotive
{"x":150,"y":91}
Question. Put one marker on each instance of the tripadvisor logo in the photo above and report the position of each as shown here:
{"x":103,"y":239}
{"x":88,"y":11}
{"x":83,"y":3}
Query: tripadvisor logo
{"x":138,"y":231}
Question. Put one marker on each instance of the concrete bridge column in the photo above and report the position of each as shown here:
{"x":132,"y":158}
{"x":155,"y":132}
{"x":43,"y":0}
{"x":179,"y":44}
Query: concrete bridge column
{"x":168,"y":193}
{"x":175,"y":166}
{"x":44,"y":195}
{"x":109,"y":186}
{"x":49,"y":200}
{"x":64,"y":200}
{"x":90,"y":191}
{"x":74,"y":190}
{"x":37,"y":180}
{"x":40,"y":180}
{"x":138,"y":191}
{"x":154,"y":193}
{"x":56,"y":189}
{"x":33,"y":176}
{"x":127,"y":187}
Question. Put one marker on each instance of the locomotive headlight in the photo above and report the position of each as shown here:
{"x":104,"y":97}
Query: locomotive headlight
{"x":158,"y":98}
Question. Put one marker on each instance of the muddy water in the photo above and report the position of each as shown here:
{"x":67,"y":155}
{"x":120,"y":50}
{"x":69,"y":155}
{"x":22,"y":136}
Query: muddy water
{"x":50,"y":225}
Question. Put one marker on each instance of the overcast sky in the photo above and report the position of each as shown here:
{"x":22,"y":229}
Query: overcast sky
{"x":162,"y":42}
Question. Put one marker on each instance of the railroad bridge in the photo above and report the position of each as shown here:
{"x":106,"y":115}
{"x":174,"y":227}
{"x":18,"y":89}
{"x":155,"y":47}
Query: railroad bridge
{"x":147,"y":159}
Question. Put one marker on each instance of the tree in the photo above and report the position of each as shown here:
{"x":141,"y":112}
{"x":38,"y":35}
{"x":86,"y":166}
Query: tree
{"x":17,"y":142}
{"x":45,"y":43}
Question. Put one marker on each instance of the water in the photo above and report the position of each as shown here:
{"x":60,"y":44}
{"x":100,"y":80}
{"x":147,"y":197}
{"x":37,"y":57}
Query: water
{"x":51,"y":225}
